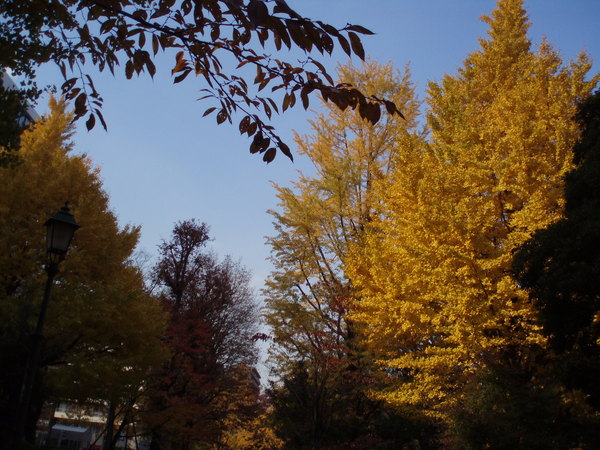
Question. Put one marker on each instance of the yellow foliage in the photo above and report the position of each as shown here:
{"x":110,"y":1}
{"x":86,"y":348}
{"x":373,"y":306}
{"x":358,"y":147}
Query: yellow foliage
{"x":433,"y":270}
{"x":102,"y":326}
{"x":308,"y":293}
{"x":254,"y":435}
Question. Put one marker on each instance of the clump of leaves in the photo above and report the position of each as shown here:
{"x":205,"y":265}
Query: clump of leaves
{"x":204,"y":34}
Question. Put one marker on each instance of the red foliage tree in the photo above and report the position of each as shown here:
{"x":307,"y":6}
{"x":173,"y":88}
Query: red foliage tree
{"x":212,"y":318}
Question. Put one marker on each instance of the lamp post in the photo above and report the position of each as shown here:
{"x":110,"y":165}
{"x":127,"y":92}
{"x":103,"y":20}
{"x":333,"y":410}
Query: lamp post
{"x":60,"y":229}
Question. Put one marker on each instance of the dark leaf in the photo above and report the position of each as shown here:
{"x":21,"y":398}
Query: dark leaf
{"x":256,"y":143}
{"x":304,"y":96}
{"x":90,"y":122}
{"x":285,"y":150}
{"x":107,"y":25}
{"x":155,"y":44}
{"x":252,"y":129}
{"x":257,"y":12}
{"x":374,"y":113}
{"x":215,"y":32}
{"x":182,"y":76}
{"x":359,"y":29}
{"x":208,"y":111}
{"x":151,"y":67}
{"x":68,"y":85}
{"x":244,"y":123}
{"x":80,"y":105}
{"x":222,"y":116}
{"x":269,"y":155}
{"x":357,"y":47}
{"x":101,"y":117}
{"x":286,"y":102}
{"x":282,"y":6}
{"x":329,"y":29}
{"x":298,"y":36}
{"x":129,"y":69}
{"x":344,"y":44}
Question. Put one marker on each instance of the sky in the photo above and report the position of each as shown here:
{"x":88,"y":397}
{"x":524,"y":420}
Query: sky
{"x":161,"y":162}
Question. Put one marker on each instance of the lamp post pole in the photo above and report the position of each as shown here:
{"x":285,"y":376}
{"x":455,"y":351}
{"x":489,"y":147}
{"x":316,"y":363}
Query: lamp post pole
{"x":60,"y":230}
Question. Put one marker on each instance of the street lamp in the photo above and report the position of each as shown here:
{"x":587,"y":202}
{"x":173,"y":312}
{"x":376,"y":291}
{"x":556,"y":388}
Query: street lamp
{"x":60,"y":229}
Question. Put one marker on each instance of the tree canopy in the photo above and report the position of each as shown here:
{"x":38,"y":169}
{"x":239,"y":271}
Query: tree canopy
{"x":323,"y":374}
{"x":437,"y":299}
{"x":102,"y":329}
{"x":212,"y":39}
{"x":212,"y":321}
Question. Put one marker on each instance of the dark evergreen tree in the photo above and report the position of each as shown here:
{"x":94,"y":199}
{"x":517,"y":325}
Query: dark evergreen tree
{"x":560,"y":266}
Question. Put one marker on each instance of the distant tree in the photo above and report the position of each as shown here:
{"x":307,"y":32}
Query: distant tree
{"x":246,"y":424}
{"x":213,"y":318}
{"x":207,"y":35}
{"x":102,"y":329}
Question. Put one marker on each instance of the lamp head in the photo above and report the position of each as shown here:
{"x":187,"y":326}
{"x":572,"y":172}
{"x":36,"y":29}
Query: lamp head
{"x":60,"y":229}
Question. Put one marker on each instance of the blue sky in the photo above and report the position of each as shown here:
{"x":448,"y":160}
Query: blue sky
{"x":161,"y":162}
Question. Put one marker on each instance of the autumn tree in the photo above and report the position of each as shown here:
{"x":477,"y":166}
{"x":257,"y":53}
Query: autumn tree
{"x":212,"y":323}
{"x":438,"y":302}
{"x":308,"y":294}
{"x":246,"y":422}
{"x":212,"y":39}
{"x":102,"y":329}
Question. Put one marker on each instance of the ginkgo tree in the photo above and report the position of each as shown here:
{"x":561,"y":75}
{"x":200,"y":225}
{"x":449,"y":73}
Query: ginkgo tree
{"x":102,"y":332}
{"x":437,"y":298}
{"x":212,"y":39}
{"x":308,"y":294}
